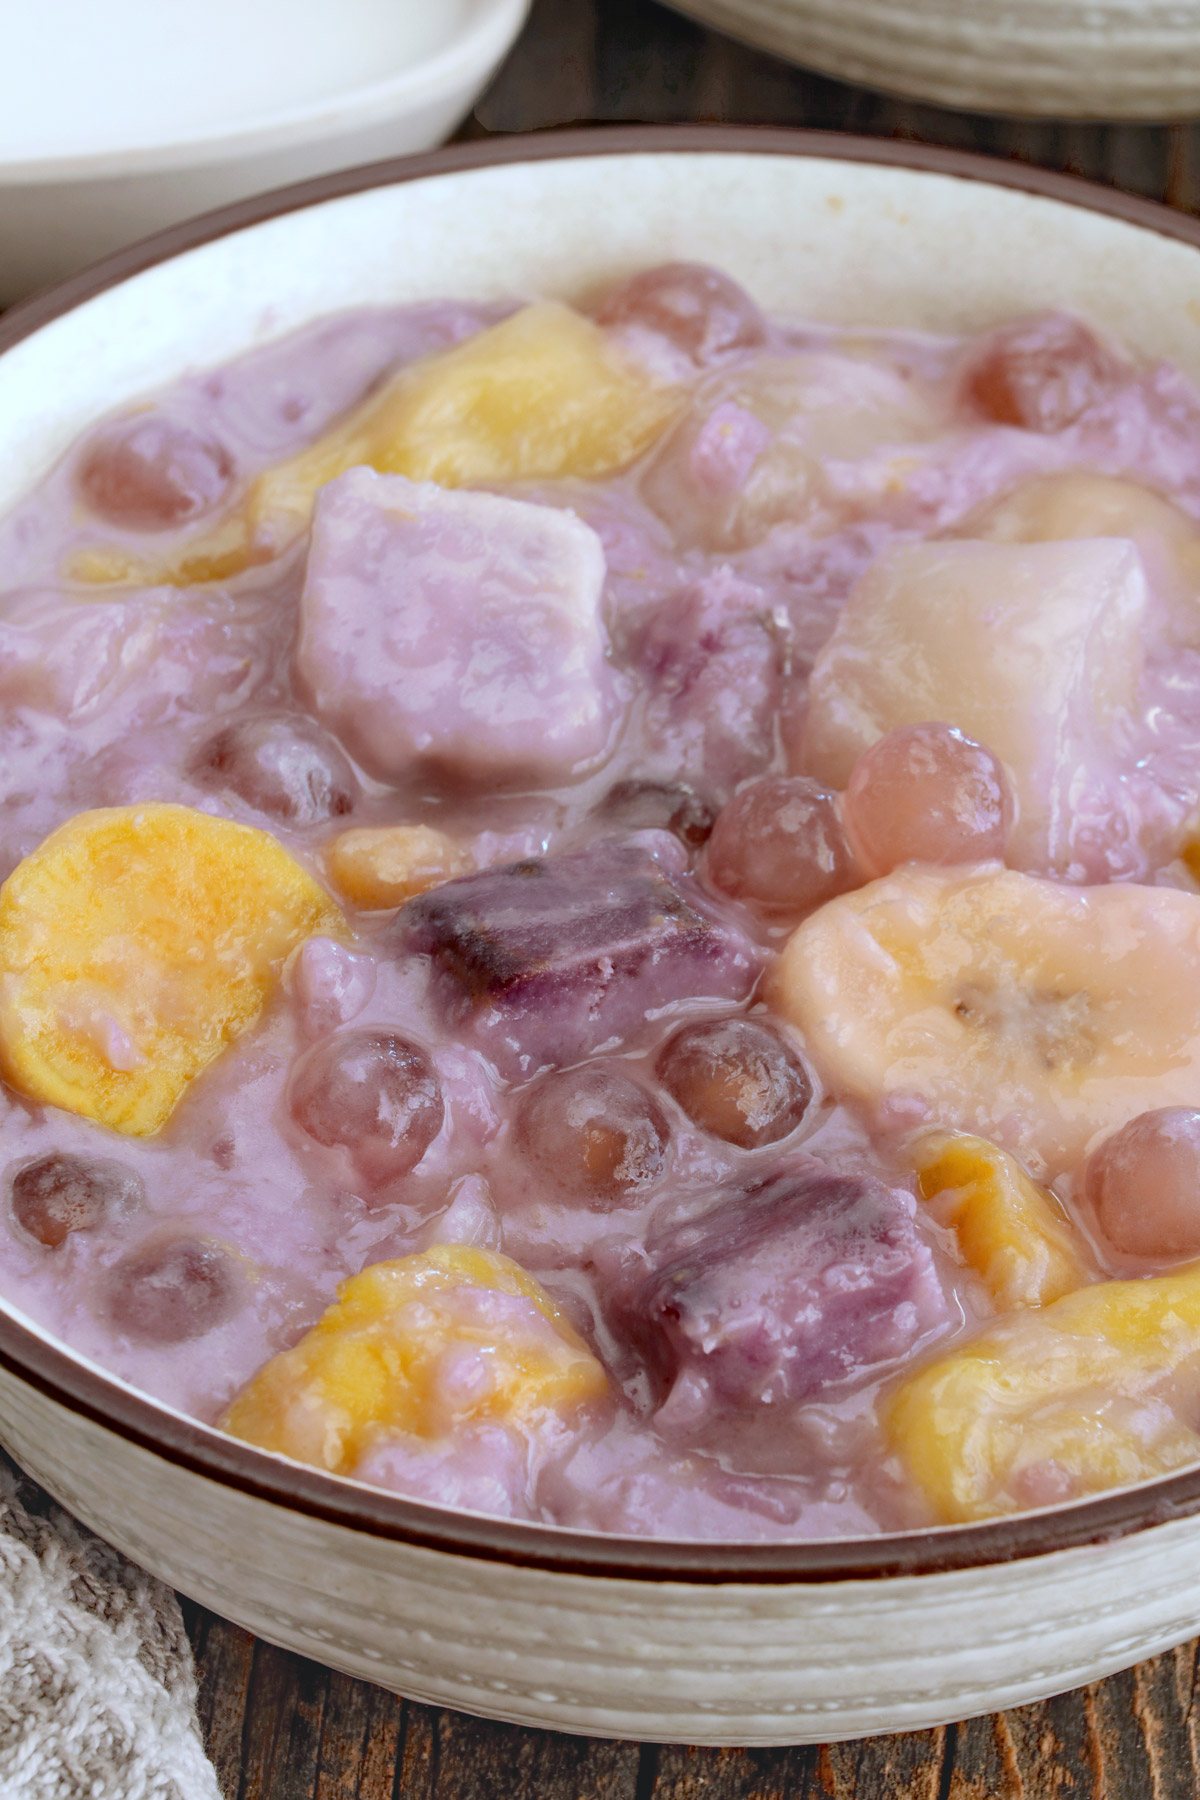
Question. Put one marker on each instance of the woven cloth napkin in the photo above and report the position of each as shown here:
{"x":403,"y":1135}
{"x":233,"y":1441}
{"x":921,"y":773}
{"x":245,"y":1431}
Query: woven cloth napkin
{"x":97,"y":1688}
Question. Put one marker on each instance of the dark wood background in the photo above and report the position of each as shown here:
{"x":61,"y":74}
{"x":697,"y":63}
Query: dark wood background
{"x":281,"y":1728}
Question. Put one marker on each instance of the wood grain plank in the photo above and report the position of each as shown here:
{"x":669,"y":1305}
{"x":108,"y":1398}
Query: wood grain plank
{"x":477,"y":1760}
{"x":1054,"y":1749}
{"x":1183,"y":168}
{"x":417,"y":1768}
{"x":361,"y":1732}
{"x":1136,"y":158}
{"x":763,"y":90}
{"x":980,"y":1762}
{"x":1192,"y":1688}
{"x":1163,"y":1703}
{"x":224,"y":1658}
{"x":648,"y":61}
{"x":684,"y":1772}
{"x":906,"y":1767}
{"x":712,"y":88}
{"x":284,"y":1713}
{"x":1119,"y":1753}
{"x":550,"y":77}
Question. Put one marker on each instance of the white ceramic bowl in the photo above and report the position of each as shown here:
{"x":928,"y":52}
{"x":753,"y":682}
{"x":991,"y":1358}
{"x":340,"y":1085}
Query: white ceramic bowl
{"x":118,"y":119}
{"x":633,"y":1637}
{"x":1067,"y":59}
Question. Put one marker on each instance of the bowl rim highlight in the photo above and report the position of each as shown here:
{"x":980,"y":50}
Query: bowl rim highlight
{"x":82,"y":1388}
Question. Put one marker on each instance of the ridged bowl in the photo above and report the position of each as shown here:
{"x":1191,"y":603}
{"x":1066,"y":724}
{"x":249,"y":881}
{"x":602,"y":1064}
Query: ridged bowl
{"x":653,"y":1639}
{"x":1067,"y":59}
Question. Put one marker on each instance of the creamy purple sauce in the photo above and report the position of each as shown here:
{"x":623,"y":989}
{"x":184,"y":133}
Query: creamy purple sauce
{"x":716,"y":600}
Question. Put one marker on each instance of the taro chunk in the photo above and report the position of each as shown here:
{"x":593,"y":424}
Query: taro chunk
{"x":711,"y":664}
{"x":810,"y":1281}
{"x":456,"y":631}
{"x":1031,"y":649}
{"x":546,"y":960}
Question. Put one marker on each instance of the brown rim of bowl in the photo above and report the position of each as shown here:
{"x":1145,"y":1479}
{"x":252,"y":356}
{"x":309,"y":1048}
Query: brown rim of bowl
{"x":56,"y":1373}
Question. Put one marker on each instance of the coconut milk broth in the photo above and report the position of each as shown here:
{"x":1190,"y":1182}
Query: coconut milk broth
{"x":106,"y":698}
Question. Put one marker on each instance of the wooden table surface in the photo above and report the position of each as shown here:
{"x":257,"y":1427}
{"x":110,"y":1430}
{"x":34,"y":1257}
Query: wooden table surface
{"x":281,"y":1728}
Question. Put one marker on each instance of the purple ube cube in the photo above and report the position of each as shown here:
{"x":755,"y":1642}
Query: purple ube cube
{"x":710,"y":657}
{"x":810,"y":1280}
{"x":456,"y":631}
{"x":544,"y":961}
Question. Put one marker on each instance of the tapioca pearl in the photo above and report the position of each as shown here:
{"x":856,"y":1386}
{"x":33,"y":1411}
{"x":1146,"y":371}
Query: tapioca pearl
{"x":283,"y":765}
{"x":1144,"y":1183}
{"x":593,"y":1134}
{"x":329,"y":984}
{"x":738,"y":1080}
{"x":151,"y":474}
{"x":701,"y":312}
{"x":372,"y":1093}
{"x":60,"y":1193}
{"x":170,"y":1292}
{"x":928,"y":793}
{"x":781,"y":846}
{"x":1041,"y":374}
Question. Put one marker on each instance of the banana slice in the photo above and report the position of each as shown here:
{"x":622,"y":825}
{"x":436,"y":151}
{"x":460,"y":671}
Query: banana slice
{"x":418,"y":1346}
{"x":1009,"y":1230}
{"x":1095,"y":1391}
{"x":1032,"y":1013}
{"x":544,"y":393}
{"x":135,"y":944}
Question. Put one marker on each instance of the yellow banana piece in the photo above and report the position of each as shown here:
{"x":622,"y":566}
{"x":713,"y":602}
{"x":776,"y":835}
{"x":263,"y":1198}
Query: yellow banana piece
{"x":1010,"y":1230}
{"x":1092,"y":1392}
{"x":418,"y":1346}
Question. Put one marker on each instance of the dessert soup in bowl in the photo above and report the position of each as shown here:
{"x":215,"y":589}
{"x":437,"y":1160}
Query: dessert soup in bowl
{"x":932,"y":1235}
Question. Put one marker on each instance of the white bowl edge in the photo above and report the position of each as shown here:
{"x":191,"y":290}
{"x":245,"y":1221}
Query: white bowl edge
{"x":811,"y":236}
{"x":670,"y":1661}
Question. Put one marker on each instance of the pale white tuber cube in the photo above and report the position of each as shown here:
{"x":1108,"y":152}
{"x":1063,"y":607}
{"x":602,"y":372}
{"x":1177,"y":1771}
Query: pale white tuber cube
{"x":1032,"y":649}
